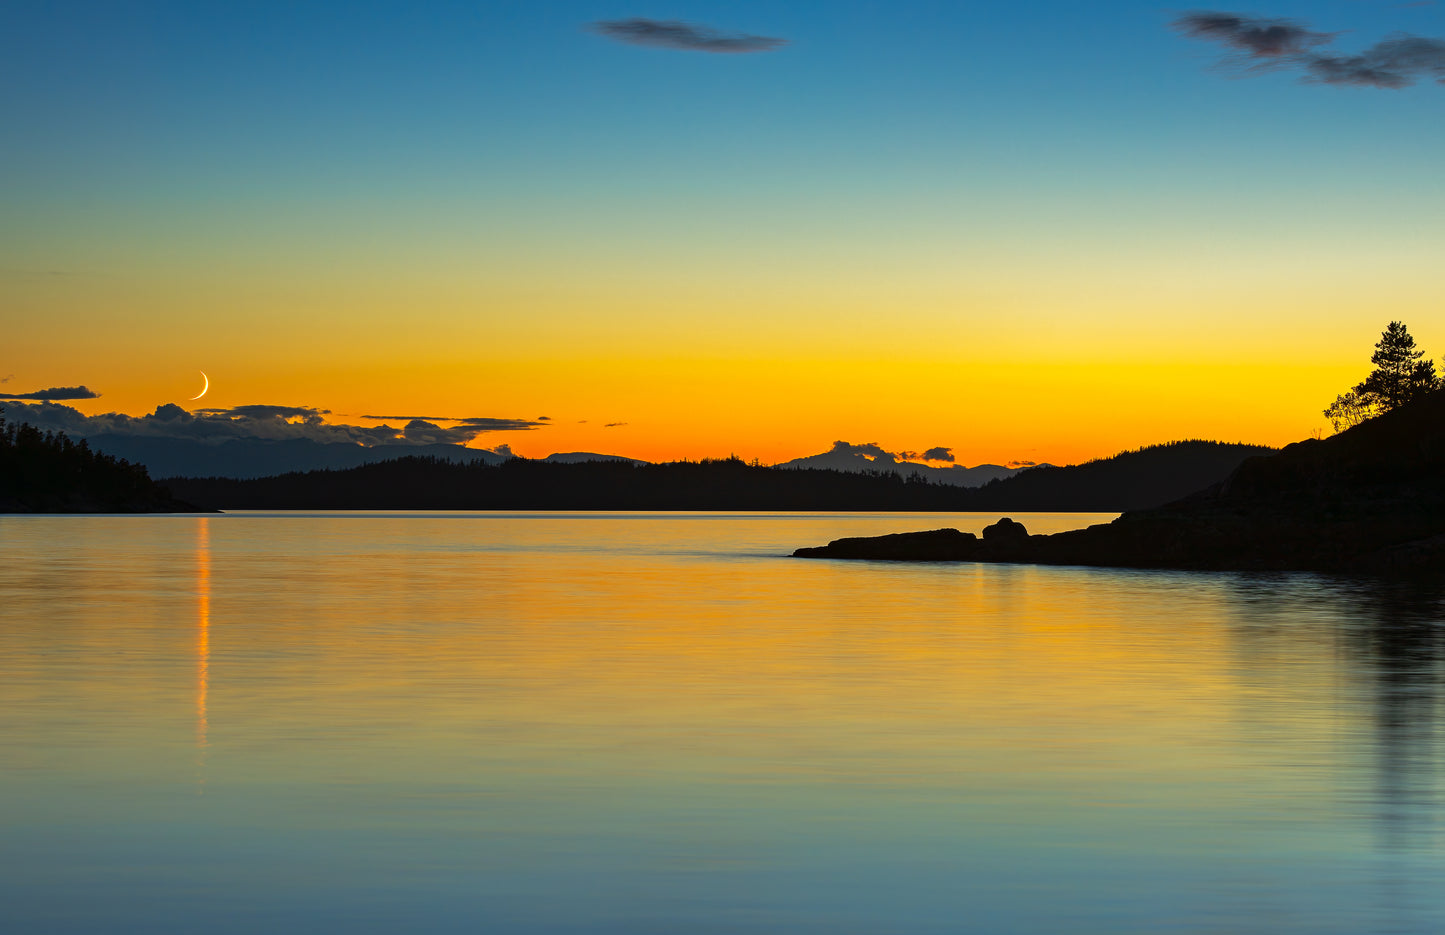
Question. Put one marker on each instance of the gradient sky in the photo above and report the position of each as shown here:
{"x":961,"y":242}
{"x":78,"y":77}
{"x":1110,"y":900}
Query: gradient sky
{"x":1045,"y":231}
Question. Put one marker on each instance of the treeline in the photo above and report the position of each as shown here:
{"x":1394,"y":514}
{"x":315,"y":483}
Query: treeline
{"x":1129,"y":481}
{"x":46,"y":472}
{"x":519,"y":484}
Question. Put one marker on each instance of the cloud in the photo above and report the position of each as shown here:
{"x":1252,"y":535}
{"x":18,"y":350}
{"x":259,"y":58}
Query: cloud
{"x":1258,"y":38}
{"x":54,"y":393}
{"x":1022,"y":464}
{"x":7,"y":378}
{"x":870,"y":451}
{"x":875,"y":452}
{"x":409,"y":418}
{"x":269,"y":412}
{"x":1396,"y":62}
{"x":1269,"y":44}
{"x":613,"y":425}
{"x":478,"y":424}
{"x":505,"y":451}
{"x":500,"y":425}
{"x":688,"y":37}
{"x":422,"y":432}
{"x":267,"y":422}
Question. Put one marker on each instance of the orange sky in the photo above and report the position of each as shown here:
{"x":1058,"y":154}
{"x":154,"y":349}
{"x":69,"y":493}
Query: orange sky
{"x":756,"y":254}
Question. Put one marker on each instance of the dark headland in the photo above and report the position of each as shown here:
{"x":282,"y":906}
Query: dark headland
{"x":1370,"y":499}
{"x":46,"y":472}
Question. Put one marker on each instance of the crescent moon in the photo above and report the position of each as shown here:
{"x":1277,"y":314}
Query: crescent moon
{"x":205,"y":388}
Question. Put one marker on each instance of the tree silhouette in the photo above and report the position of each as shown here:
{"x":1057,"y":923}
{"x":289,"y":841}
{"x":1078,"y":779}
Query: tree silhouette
{"x":1401,"y":374}
{"x":47,"y":472}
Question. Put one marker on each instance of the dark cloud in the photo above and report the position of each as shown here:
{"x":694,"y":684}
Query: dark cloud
{"x":269,"y":412}
{"x":500,"y":425}
{"x":505,"y":451}
{"x":422,"y":432}
{"x":54,"y":393}
{"x":1395,"y":62}
{"x":1258,"y":38}
{"x":7,"y":378}
{"x":613,"y":425}
{"x":477,"y":424}
{"x":1021,"y":464}
{"x":871,"y":450}
{"x":877,"y":453}
{"x":544,"y":418}
{"x":409,"y":418}
{"x":689,"y":37}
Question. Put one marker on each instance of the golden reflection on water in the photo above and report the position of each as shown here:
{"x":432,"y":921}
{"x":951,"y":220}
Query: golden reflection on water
{"x":203,"y":644}
{"x":600,"y":701}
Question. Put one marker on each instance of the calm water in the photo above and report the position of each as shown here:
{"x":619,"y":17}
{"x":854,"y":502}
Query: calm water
{"x":533,"y":723}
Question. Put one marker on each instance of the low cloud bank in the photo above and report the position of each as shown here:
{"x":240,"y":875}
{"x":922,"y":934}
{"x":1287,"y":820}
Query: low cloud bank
{"x":271,"y":423}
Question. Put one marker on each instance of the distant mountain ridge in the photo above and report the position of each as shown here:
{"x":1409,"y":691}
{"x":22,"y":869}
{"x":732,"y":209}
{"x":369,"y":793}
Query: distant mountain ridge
{"x":257,"y":457}
{"x":1131,"y":480}
{"x":247,"y":456}
{"x":855,"y":462}
{"x":581,"y":457}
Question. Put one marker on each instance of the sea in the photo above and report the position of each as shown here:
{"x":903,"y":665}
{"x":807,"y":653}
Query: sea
{"x":650,"y":723}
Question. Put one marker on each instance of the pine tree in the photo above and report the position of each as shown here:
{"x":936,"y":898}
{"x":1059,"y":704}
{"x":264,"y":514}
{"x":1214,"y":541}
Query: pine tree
{"x":1401,"y":374}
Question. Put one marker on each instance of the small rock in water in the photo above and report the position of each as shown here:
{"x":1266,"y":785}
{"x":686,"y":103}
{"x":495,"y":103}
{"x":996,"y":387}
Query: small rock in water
{"x":1005,"y":531}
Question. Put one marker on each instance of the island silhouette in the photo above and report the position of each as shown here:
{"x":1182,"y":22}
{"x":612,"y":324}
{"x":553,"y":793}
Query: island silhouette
{"x":1369,"y":499}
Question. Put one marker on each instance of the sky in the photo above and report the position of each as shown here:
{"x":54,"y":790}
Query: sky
{"x":1029,"y":231}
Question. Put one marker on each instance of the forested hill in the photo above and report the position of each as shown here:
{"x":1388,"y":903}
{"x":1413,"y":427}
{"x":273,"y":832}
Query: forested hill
{"x":1128,"y":481}
{"x":1131,"y":480}
{"x":44,"y":472}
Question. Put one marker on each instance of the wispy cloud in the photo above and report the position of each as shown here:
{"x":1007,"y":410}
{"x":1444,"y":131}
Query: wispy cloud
{"x":53,"y":393}
{"x":688,"y":37}
{"x":501,"y":425}
{"x":1397,"y":61}
{"x":408,"y":418}
{"x":477,"y":423}
{"x":613,"y":425}
{"x":269,"y":412}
